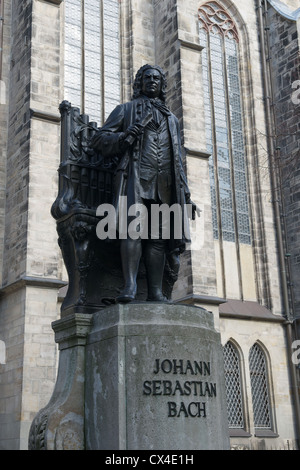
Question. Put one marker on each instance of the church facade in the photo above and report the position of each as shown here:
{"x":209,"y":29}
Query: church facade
{"x":233,"y":73}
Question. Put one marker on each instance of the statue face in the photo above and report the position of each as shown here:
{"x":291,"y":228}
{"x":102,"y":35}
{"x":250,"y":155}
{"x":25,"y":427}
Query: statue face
{"x":151,"y":83}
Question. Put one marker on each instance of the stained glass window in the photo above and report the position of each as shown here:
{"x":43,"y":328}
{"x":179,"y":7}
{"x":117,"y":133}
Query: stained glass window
{"x":92,"y":58}
{"x":224,"y":124}
{"x":233,"y":387}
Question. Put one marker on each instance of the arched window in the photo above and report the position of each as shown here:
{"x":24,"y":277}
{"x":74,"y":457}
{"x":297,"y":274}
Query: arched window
{"x":224,"y":124}
{"x":233,"y":386}
{"x":92,"y":62}
{"x":260,"y":388}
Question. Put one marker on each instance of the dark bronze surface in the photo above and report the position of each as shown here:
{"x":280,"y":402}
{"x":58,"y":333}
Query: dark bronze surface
{"x":137,"y":155}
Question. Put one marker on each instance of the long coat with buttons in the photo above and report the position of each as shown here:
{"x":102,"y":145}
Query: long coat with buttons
{"x":109,"y":141}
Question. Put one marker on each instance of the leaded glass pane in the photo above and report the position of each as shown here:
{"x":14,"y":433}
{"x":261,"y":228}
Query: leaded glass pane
{"x":233,"y":387}
{"x":259,"y":388}
{"x":239,"y":160}
{"x":73,"y":33}
{"x":223,"y":157}
{"x":238,"y":145}
{"x":92,"y":59}
{"x":240,"y":182}
{"x":92,"y":40}
{"x":222,"y":139}
{"x":208,"y":129}
{"x":220,"y":54}
{"x":111,"y":54}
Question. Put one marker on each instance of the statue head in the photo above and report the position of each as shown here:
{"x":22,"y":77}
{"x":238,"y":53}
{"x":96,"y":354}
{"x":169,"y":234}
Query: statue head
{"x":138,"y":86}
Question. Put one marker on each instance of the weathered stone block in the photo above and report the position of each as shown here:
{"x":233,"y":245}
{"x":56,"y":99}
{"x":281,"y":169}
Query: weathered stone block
{"x":154,"y":379}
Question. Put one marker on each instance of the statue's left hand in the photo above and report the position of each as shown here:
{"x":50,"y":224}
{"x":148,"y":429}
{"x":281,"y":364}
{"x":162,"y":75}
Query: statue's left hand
{"x":195,"y":209}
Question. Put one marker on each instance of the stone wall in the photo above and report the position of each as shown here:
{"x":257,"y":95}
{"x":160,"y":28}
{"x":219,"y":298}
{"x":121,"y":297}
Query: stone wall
{"x":29,"y":372}
{"x":33,"y":139}
{"x":16,"y":151}
{"x":17,"y":175}
{"x":32,"y":266}
{"x":12,"y":331}
{"x":4,"y":103}
{"x":285,"y":67}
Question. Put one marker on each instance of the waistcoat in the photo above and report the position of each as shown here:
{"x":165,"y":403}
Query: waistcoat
{"x":156,"y":160}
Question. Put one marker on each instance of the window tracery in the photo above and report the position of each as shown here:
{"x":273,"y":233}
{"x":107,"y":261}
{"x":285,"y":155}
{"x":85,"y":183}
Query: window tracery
{"x":214,"y":18}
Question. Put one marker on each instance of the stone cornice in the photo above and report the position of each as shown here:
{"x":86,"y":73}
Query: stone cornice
{"x":44,"y":116}
{"x":190,"y":45}
{"x":204,"y":299}
{"x":32,"y":281}
{"x":197,"y":153}
{"x":53,"y":2}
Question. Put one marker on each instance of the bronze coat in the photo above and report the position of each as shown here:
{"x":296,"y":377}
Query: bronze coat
{"x":109,"y":141}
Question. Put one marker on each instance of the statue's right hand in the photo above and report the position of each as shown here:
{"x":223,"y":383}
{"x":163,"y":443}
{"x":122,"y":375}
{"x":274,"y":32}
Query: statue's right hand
{"x":133,"y":132}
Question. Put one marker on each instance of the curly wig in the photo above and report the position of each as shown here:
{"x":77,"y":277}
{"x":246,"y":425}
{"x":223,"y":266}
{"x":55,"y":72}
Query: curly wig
{"x":137,"y":85}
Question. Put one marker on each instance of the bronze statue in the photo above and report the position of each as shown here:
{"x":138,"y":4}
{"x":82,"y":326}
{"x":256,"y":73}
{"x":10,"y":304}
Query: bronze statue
{"x":145,"y":135}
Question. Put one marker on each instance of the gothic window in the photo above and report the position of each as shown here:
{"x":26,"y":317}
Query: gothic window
{"x":233,"y":386}
{"x":260,"y":388}
{"x":92,"y":62}
{"x":224,"y":124}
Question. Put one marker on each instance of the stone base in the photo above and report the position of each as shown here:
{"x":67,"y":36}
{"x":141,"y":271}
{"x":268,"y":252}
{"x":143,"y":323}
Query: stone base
{"x":154,"y":379}
{"x":137,"y":376}
{"x":60,"y":425}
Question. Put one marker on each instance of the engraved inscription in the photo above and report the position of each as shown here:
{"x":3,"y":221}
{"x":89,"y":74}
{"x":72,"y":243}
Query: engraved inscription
{"x":195,"y":384}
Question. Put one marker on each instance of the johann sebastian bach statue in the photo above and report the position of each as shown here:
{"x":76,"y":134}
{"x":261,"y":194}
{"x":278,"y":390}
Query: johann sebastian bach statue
{"x":145,"y":136}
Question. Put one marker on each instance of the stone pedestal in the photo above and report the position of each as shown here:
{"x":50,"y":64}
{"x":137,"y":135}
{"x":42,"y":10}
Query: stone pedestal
{"x":133,"y":377}
{"x":60,"y":425}
{"x":154,"y":379}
